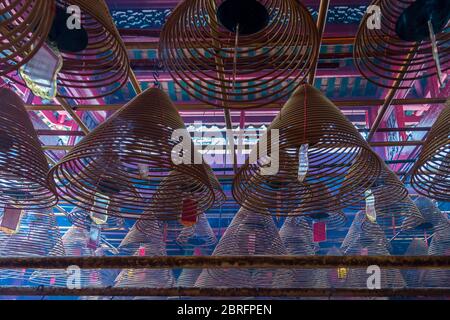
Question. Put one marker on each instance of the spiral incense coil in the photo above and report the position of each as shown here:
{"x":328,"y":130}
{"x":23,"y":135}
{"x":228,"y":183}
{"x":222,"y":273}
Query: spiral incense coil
{"x":122,"y":161}
{"x":23,"y":166}
{"x":134,"y":238}
{"x":222,"y":67}
{"x":37,"y":236}
{"x":297,"y":236}
{"x":248,"y":234}
{"x":82,"y":219}
{"x":435,"y":220}
{"x":371,"y":240}
{"x":24,"y":26}
{"x":431,"y":175}
{"x":75,"y":242}
{"x":399,"y":217}
{"x":439,"y":246}
{"x":387,"y":190}
{"x":341,"y":165}
{"x":382,"y":56}
{"x":334,"y":277}
{"x":414,"y":277}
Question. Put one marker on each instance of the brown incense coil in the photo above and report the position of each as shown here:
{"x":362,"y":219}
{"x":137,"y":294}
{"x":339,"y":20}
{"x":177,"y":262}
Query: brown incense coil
{"x":341,"y":164}
{"x":124,"y":159}
{"x":431,"y":175}
{"x":370,"y":240}
{"x":155,"y":278}
{"x":82,"y":219}
{"x":249,"y":234}
{"x":380,"y":54}
{"x":387,"y":190}
{"x":103,"y":66}
{"x":24,"y":26}
{"x":199,"y":53}
{"x":440,"y":246}
{"x":333,"y":277}
{"x":140,"y":244}
{"x":23,"y":167}
{"x":435,"y":220}
{"x":297,"y":237}
{"x":399,"y":217}
{"x":414,"y":277}
{"x":37,"y":236}
{"x":334,"y":219}
{"x":75,"y":242}
{"x":134,"y":238}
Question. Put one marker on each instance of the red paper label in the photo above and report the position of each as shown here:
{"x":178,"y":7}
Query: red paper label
{"x":319,"y":231}
{"x":141,"y":252}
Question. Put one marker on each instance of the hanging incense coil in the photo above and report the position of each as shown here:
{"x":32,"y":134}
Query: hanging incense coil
{"x":435,"y":220}
{"x":188,"y":277}
{"x":414,"y":277}
{"x":439,"y":246}
{"x":384,"y":54}
{"x":122,"y":161}
{"x":37,"y":236}
{"x":24,"y":26}
{"x":248,"y":234}
{"x":431,"y":174}
{"x":387,"y":189}
{"x":399,"y":217}
{"x":23,"y":166}
{"x":297,"y":236}
{"x":141,"y":244}
{"x":75,"y":242}
{"x":96,"y":60}
{"x":83,"y":219}
{"x":341,"y":165}
{"x":332,"y":278}
{"x":370,"y":240}
{"x":223,"y":67}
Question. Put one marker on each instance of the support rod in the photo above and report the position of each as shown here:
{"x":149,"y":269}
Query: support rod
{"x":220,"y":262}
{"x":135,"y":82}
{"x":223,"y":292}
{"x":391,"y":93}
{"x":321,"y":22}
{"x":66,"y":107}
{"x":274,"y":106}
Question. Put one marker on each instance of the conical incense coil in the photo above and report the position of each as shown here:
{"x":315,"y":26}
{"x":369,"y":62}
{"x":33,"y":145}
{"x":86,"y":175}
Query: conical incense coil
{"x":23,"y":166}
{"x":399,"y":217}
{"x":310,"y":210}
{"x":414,"y":277}
{"x":75,"y":242}
{"x":431,"y":175}
{"x":439,"y":246}
{"x":223,"y":67}
{"x":370,"y":240}
{"x":248,"y":234}
{"x":95,"y":57}
{"x":297,"y":237}
{"x":123,"y":160}
{"x":383,"y":52}
{"x":340,"y":167}
{"x":434,"y":219}
{"x":24,"y":26}
{"x":37,"y":235}
{"x":387,"y":189}
{"x":141,"y":244}
{"x":334,"y":277}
